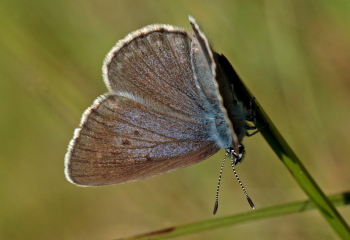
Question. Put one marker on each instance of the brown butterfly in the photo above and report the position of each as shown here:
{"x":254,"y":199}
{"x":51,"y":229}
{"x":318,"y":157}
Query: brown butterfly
{"x":169,"y":105}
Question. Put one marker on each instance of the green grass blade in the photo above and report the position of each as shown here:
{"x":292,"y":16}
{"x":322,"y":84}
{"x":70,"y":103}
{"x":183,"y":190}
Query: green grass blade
{"x":293,"y":164}
{"x":275,"y":211}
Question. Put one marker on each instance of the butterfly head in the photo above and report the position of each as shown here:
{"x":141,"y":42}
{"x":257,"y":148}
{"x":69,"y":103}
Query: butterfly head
{"x":238,"y":156}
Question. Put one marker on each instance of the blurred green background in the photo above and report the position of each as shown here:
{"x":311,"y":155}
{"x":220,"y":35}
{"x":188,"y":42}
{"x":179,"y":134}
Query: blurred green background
{"x":293,"y":55}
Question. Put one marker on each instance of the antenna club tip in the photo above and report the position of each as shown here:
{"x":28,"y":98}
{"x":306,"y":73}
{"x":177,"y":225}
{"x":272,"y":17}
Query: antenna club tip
{"x":250,"y":202}
{"x":216,"y":207}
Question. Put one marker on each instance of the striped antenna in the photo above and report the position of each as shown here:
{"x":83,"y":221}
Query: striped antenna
{"x":234,"y":160}
{"x":218,"y":187}
{"x":233,"y":163}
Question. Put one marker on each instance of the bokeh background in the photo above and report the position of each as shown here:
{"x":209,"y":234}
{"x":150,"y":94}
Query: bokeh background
{"x":293,"y":55}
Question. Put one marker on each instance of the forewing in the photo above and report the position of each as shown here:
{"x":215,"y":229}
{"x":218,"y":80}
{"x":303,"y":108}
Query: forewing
{"x":153,"y":63}
{"x":122,"y":140}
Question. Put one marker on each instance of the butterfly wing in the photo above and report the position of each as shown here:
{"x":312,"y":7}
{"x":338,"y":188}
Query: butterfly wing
{"x":121,"y":140}
{"x":151,"y":121}
{"x":154,"y":64}
{"x":217,"y":89}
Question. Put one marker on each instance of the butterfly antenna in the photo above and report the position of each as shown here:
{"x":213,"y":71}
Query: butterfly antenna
{"x":218,"y":187}
{"x":233,"y":163}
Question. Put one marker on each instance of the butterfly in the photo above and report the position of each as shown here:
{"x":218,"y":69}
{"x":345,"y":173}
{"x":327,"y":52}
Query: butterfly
{"x":170,"y":104}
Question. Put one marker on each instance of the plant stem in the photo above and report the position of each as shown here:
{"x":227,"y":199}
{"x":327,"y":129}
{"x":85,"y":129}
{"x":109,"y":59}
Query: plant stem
{"x":292,"y":162}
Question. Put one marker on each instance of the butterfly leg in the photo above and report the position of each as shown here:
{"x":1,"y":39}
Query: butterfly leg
{"x":252,"y":118}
